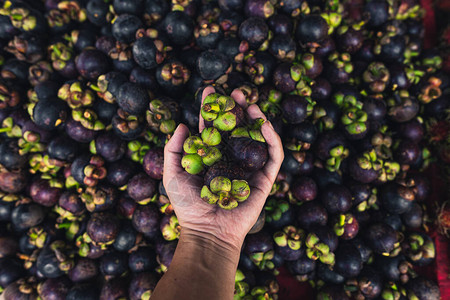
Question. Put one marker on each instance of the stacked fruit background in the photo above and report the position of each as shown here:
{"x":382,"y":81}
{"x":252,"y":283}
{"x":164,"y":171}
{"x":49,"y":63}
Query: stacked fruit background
{"x":358,"y":90}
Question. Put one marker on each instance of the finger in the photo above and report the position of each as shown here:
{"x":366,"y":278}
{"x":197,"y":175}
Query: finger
{"x":173,"y":152}
{"x":239,"y":97}
{"x":254,"y":112}
{"x":275,"y":148}
{"x":207,"y":91}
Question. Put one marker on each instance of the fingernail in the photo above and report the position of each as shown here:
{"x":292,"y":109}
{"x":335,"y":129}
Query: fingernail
{"x":269,"y":123}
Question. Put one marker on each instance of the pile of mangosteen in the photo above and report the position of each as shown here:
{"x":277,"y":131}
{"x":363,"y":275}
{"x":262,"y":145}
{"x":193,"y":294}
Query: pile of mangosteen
{"x":91,"y":91}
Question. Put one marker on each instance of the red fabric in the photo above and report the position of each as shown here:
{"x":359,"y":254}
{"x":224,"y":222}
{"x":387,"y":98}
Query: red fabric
{"x":429,"y":22}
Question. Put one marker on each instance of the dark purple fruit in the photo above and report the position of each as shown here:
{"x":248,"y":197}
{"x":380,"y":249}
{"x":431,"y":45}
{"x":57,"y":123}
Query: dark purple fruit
{"x":92,"y":63}
{"x":102,"y":227}
{"x":312,"y":213}
{"x":124,"y":28}
{"x":46,"y":192}
{"x":141,"y":188}
{"x":255,"y":31}
{"x":83,"y":291}
{"x":49,"y":114}
{"x":142,"y":285}
{"x":61,"y":148}
{"x":382,"y":239}
{"x":27,"y":215}
{"x":54,"y":288}
{"x":336,"y":199}
{"x":48,"y":264}
{"x":10,"y":270}
{"x":145,"y":53}
{"x":250,"y":154}
{"x":295,"y":109}
{"x":348,"y":261}
{"x":407,"y":152}
{"x":280,"y":24}
{"x":325,"y":273}
{"x":212,"y":64}
{"x":116,"y":288}
{"x":142,"y":260}
{"x":133,"y":99}
{"x":179,"y":27}
{"x":422,"y":288}
{"x":311,"y":29}
{"x":146,"y":220}
{"x":304,"y":189}
{"x":154,"y":163}
{"x":377,"y":12}
{"x":84,"y":270}
{"x":120,"y":172}
{"x":396,"y":198}
{"x":114,"y":264}
{"x":302,"y":268}
{"x":109,"y":146}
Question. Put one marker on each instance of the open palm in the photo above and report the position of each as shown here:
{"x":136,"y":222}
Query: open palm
{"x":183,"y":189}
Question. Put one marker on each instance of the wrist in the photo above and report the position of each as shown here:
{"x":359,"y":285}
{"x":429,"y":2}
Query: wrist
{"x":216,"y":246}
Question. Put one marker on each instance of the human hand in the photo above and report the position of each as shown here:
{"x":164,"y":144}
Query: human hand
{"x":229,"y":227}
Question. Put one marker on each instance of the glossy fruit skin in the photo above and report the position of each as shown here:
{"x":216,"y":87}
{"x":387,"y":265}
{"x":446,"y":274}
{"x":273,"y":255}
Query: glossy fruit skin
{"x":311,"y":214}
{"x":178,"y":27}
{"x":83,"y":291}
{"x":125,"y":27}
{"x":154,"y":163}
{"x":294,"y":109}
{"x":381,"y":238}
{"x":102,"y":227}
{"x":311,"y":29}
{"x":424,"y":288}
{"x":54,"y":288}
{"x":396,"y":199}
{"x":84,"y":270}
{"x":113,"y":264}
{"x":141,"y":187}
{"x":114,"y":289}
{"x":142,"y":260}
{"x":304,"y":189}
{"x":348,"y":261}
{"x":10,"y":270}
{"x":62,"y":149}
{"x":255,"y":31}
{"x":336,"y":199}
{"x":47,"y":264}
{"x":328,"y":275}
{"x":146,"y":219}
{"x":251,"y":155}
{"x":142,"y":283}
{"x":92,"y":63}
{"x":25,"y":216}
{"x":378,"y":12}
{"x":212,"y":64}
{"x":133,"y":98}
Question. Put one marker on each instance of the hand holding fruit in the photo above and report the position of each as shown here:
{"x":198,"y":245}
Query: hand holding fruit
{"x":184,"y":190}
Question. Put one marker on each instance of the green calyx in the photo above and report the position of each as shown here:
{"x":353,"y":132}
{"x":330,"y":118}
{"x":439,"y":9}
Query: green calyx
{"x":317,"y":250}
{"x":159,"y":117}
{"x":171,"y":231}
{"x":211,"y":136}
{"x":87,"y":118}
{"x":138,"y":150}
{"x":252,"y":131}
{"x":44,"y":164}
{"x":76,"y":95}
{"x":369,"y":160}
{"x":200,"y":153}
{"x":275,"y":208}
{"x":354,"y":120}
{"x":337,"y":155}
{"x":341,"y":61}
{"x":343,"y":219}
{"x":290,"y":237}
{"x":263,"y":260}
{"x":225,"y":192}
{"x":217,"y":108}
